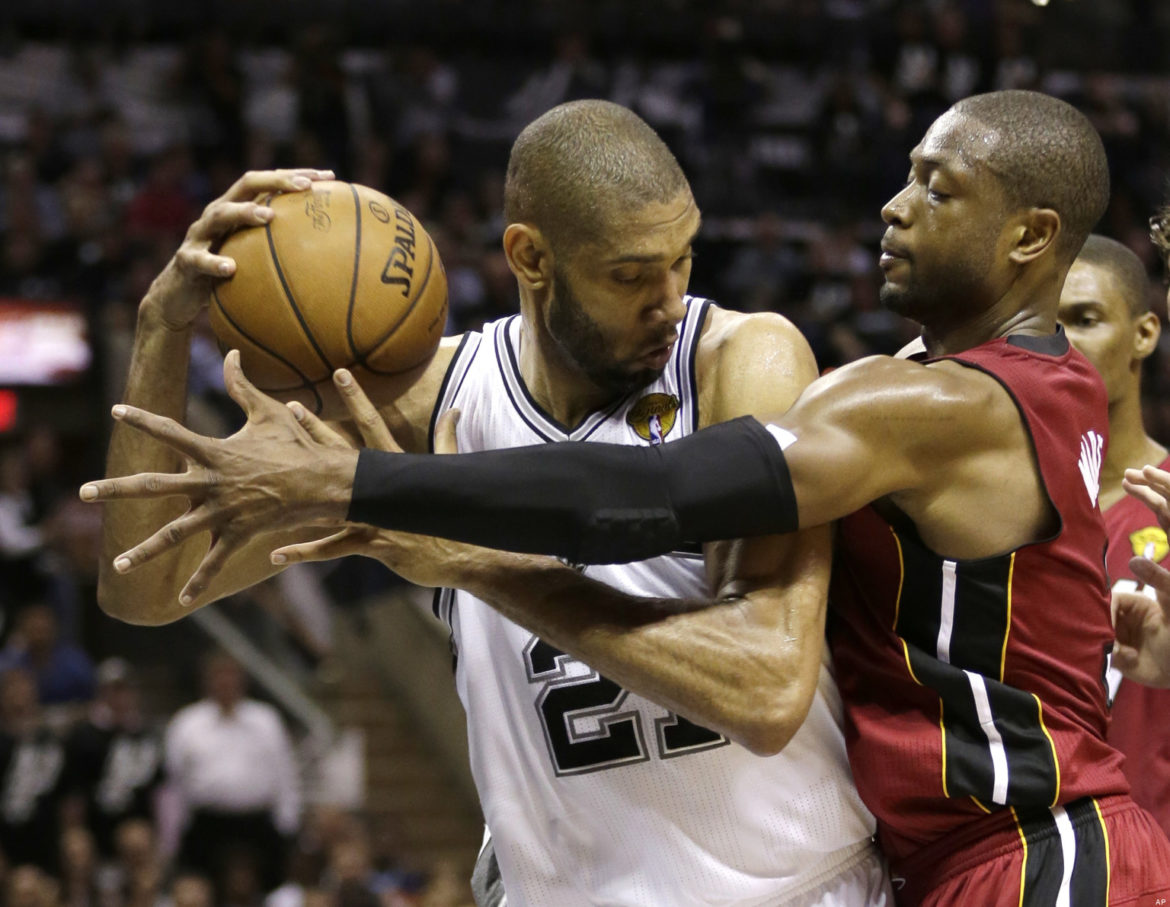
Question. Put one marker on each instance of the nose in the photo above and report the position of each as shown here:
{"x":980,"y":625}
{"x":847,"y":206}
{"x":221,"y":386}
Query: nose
{"x":670,"y":307}
{"x":894,"y":211}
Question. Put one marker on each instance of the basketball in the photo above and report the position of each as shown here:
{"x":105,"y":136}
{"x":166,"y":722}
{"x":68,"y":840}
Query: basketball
{"x":341,"y":277}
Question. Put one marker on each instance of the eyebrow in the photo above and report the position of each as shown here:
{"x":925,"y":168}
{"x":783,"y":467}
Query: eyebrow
{"x":649,"y":259}
{"x":917,"y":159}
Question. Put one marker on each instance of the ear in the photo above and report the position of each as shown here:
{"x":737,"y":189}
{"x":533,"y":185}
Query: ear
{"x":528,"y":255}
{"x":1034,"y":234}
{"x":1147,"y":329}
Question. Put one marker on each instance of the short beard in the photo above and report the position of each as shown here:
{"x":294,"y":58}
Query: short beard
{"x":582,"y":341}
{"x":900,"y":302}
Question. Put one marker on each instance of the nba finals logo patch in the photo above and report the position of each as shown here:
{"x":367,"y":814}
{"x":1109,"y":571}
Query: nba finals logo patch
{"x":1150,"y":543}
{"x":653,"y":416}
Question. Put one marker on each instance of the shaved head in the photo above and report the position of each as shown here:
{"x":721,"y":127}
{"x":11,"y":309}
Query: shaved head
{"x":1127,"y":269}
{"x":1047,"y":155}
{"x":577,"y":167}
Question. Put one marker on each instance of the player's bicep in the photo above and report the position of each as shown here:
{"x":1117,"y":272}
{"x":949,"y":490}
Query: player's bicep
{"x":856,"y":436}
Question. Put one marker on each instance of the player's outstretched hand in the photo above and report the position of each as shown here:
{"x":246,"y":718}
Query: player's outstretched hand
{"x":183,"y":287}
{"x":1151,"y":486}
{"x":419,"y":559}
{"x":272,"y":474}
{"x":1142,"y":624}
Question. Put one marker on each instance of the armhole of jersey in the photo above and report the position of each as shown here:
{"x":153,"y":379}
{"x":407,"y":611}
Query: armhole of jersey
{"x":452,"y":381}
{"x":1031,"y":443}
{"x":688,"y":384}
{"x":441,"y":604}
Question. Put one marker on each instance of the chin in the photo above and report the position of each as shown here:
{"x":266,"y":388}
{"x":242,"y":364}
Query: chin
{"x":622,"y":383}
{"x":896,"y":299}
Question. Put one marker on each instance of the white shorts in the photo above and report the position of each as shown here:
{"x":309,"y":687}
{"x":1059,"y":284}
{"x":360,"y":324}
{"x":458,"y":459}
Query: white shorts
{"x":862,"y":881}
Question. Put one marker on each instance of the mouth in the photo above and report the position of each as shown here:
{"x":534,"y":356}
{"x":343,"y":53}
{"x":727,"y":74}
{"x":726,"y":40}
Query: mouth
{"x":659,"y":356}
{"x":892,"y":255}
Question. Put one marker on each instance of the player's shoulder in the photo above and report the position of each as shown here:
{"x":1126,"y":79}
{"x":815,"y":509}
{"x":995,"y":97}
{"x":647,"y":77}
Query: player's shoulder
{"x":941,"y":391}
{"x":764,"y":339}
{"x":725,"y":327}
{"x":750,"y":363}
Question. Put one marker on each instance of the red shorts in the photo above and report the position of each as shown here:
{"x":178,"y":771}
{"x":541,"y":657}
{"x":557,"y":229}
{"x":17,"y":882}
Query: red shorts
{"x":1088,"y":853}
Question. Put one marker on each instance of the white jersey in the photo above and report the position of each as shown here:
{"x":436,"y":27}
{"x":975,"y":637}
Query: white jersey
{"x":592,"y":794}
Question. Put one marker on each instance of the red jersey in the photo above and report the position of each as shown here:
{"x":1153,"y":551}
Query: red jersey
{"x":975,"y":685}
{"x":1138,"y":726}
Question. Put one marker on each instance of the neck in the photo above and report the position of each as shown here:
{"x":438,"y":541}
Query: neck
{"x":227,"y":706}
{"x":555,"y":381}
{"x":951,"y":339}
{"x":1027,"y":306}
{"x":1129,"y":446}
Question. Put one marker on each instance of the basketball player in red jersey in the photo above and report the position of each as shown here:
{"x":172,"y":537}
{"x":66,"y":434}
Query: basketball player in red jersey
{"x":1142,"y":652}
{"x":971,"y":624}
{"x":1104,"y":307}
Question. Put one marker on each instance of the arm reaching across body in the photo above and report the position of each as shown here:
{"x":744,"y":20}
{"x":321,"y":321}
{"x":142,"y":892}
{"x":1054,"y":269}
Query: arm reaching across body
{"x":935,"y":440}
{"x":743,"y":661}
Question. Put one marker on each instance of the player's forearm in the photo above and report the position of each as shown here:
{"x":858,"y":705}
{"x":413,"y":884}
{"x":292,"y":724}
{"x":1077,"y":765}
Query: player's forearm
{"x":157,"y":381}
{"x":589,"y":503}
{"x":715,"y":662}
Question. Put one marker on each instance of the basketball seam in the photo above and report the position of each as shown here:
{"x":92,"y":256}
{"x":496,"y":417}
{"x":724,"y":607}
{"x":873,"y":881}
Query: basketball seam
{"x":306,"y":381}
{"x":357,"y":254}
{"x":292,"y":302}
{"x":364,"y":360}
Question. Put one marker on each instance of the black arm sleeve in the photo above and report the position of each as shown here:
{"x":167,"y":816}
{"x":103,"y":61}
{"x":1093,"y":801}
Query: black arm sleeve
{"x":589,"y":503}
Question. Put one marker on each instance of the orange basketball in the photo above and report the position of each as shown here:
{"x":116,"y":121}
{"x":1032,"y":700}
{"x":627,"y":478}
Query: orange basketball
{"x":342,"y":276}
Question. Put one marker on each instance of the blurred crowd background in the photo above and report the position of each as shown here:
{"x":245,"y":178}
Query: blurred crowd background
{"x":120,"y":120}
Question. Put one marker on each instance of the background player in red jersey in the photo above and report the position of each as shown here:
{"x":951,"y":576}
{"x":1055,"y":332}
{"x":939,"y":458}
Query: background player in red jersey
{"x":1105,"y":309}
{"x":972,"y":598}
{"x":1142,"y":652}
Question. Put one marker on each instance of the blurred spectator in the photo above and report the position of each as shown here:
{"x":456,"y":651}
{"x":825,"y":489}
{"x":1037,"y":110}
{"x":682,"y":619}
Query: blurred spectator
{"x":162,"y":209}
{"x":80,"y":884}
{"x":30,"y":886}
{"x":32,"y":762}
{"x":136,"y":873}
{"x":22,"y":540}
{"x":762,"y":271}
{"x":114,"y":758}
{"x":232,"y":765}
{"x":191,"y":890}
{"x":63,"y":671}
{"x":47,"y":483}
{"x":210,"y":82}
{"x":412,"y":93}
{"x":572,"y":74}
{"x":446,"y":888}
{"x":322,"y":106}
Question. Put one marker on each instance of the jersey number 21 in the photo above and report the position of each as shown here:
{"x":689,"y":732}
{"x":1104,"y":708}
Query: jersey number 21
{"x":616,"y":734}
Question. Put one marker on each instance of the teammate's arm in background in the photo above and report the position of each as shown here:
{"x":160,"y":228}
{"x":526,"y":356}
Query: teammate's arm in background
{"x":1142,"y":623}
{"x":744,"y":662}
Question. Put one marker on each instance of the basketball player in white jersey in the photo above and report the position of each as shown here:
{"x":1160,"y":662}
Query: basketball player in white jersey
{"x":620,"y":759}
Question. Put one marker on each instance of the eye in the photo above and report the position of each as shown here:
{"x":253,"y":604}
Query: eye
{"x":936,"y":196}
{"x":627,"y":278}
